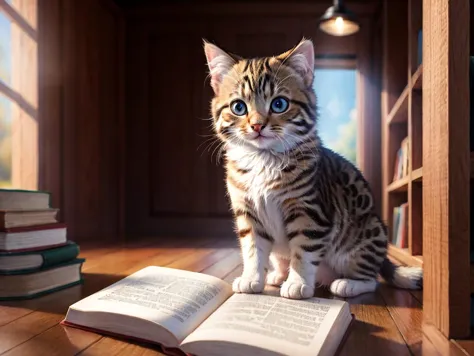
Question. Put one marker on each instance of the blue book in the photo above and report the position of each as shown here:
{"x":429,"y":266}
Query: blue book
{"x":420,"y":47}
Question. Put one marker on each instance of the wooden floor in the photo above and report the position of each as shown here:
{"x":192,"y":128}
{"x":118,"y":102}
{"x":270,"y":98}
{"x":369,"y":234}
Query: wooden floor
{"x":388,"y":322}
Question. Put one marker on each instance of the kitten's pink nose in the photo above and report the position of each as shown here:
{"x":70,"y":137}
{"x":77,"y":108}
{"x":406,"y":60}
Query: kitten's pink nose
{"x":257,"y":127}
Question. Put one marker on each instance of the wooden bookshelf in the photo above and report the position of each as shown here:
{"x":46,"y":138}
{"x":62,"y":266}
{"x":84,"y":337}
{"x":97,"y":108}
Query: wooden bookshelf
{"x":402,"y":86}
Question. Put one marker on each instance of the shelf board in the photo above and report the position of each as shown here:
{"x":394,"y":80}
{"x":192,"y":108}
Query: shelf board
{"x":399,"y":112}
{"x":417,"y":175}
{"x":417,"y":78}
{"x":403,"y":255}
{"x":400,"y":185}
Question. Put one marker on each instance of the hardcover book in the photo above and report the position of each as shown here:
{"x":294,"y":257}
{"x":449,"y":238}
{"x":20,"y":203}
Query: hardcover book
{"x":46,"y":280}
{"x":197,"y":314}
{"x":31,"y":261}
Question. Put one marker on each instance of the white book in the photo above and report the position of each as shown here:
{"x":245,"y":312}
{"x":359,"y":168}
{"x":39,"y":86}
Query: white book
{"x":198,"y":314}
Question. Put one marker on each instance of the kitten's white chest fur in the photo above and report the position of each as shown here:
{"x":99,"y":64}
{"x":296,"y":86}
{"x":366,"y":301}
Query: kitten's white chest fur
{"x":264,"y":168}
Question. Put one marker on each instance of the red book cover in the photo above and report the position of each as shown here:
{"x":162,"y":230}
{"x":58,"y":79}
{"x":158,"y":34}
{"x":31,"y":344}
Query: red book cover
{"x":33,"y":249}
{"x":34,"y":228}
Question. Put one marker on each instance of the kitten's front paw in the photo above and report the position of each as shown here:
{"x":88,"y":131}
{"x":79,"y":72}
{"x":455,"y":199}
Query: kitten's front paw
{"x":247,"y":285}
{"x":296,"y":290}
{"x":275,"y":279}
{"x":346,"y":288}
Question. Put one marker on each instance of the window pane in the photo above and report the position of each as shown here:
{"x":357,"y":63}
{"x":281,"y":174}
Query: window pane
{"x":5,"y":104}
{"x":5,"y":49}
{"x":336,"y":94}
{"x":5,"y":142}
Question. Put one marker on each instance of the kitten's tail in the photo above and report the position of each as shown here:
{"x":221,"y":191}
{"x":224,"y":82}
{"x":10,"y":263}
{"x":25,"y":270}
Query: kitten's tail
{"x":401,"y":276}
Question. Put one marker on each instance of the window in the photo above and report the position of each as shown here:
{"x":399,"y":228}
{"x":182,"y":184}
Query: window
{"x":335,"y":87}
{"x":18,"y":94}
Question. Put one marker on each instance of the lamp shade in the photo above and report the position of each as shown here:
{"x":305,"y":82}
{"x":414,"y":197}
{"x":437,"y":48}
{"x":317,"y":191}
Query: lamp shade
{"x":338,"y":20}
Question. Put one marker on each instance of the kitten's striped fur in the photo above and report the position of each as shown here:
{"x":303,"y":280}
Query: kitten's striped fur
{"x":296,"y":204}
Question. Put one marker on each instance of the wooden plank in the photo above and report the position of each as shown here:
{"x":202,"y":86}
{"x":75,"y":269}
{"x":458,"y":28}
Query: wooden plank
{"x":417,"y":79}
{"x":442,"y":345}
{"x":374,"y":331}
{"x":466,"y":345}
{"x":446,"y":299}
{"x":404,"y":256}
{"x":399,"y":112}
{"x":400,"y":185}
{"x":417,"y":175}
{"x":407,"y":314}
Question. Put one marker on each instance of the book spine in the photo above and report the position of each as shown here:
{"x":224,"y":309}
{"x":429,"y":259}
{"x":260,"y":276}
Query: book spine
{"x":401,"y":227}
{"x":395,"y":169}
{"x":395,"y":225}
{"x":405,"y":227}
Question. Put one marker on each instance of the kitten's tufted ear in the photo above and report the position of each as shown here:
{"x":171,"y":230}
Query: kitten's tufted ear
{"x":301,"y":59}
{"x":219,"y":63}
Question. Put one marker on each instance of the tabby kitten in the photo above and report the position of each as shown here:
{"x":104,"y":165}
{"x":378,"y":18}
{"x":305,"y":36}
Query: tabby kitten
{"x":297,"y":204}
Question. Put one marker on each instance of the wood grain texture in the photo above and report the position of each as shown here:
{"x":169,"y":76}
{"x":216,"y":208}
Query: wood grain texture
{"x":446,"y":300}
{"x":81,"y":121}
{"x":388,"y":322}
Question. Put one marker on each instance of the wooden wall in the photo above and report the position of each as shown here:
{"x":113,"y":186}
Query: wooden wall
{"x":80,"y":112}
{"x":174,"y":186}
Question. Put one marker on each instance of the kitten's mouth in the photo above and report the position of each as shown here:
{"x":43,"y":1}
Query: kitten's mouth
{"x":260,"y":137}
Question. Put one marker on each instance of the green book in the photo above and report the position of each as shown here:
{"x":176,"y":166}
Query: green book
{"x":31,"y":261}
{"x":44,"y":281}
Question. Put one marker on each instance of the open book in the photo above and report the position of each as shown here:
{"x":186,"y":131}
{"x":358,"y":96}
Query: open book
{"x":197,"y":314}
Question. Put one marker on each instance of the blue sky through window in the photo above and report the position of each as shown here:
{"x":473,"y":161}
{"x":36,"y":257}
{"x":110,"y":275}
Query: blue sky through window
{"x":336,"y":93}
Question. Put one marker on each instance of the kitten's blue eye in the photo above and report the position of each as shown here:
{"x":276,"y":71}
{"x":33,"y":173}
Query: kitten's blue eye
{"x":279,"y":105}
{"x":238,"y":107}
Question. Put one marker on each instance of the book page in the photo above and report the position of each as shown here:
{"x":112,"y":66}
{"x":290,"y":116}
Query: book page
{"x":271,"y":323}
{"x":175,"y":299}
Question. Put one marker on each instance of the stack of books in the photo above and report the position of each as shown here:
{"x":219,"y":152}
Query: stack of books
{"x":401,"y":162}
{"x":35,"y":256}
{"x":400,"y":226}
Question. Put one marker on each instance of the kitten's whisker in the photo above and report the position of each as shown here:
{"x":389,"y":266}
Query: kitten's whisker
{"x":206,"y":141}
{"x":216,"y":148}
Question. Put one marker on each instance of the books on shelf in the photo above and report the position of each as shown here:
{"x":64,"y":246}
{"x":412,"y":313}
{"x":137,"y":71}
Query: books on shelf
{"x":196,"y":314}
{"x":35,"y":256}
{"x":400,"y":226}
{"x":420,"y":48}
{"x":402,"y":160}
